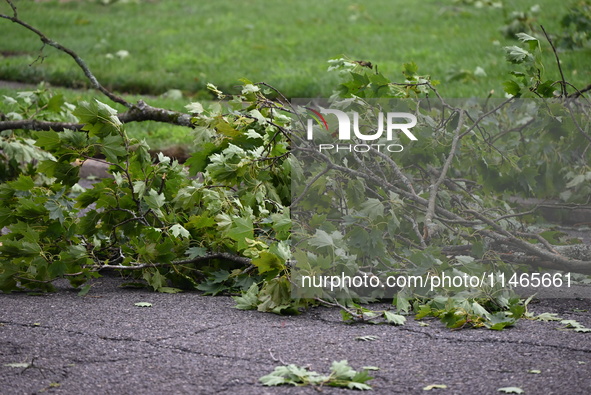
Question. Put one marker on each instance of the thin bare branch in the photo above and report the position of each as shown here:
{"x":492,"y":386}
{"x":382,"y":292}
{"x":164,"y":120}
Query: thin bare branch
{"x":139,"y":266}
{"x":563,"y":80}
{"x":79,"y":61}
{"x":429,"y":225}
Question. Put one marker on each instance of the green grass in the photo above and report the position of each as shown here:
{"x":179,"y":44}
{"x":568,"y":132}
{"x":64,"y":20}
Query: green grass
{"x":185,"y":44}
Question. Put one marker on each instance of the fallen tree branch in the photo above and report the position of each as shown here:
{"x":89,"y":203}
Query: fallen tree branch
{"x":546,"y":256}
{"x":139,"y":112}
{"x":139,"y":266}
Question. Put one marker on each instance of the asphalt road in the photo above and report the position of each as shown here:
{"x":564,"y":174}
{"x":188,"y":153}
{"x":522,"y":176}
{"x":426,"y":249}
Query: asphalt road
{"x":193,"y":344}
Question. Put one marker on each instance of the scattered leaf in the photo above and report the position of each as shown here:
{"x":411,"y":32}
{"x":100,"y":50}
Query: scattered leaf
{"x":367,"y":338}
{"x":394,"y":319}
{"x":84,"y":290}
{"x":169,"y":290}
{"x":511,"y":390}
{"x":548,"y":317}
{"x":434,"y":386}
{"x":17,"y":365}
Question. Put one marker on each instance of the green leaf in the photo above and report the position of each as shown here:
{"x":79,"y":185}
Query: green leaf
{"x":196,"y":252}
{"x":511,"y":390}
{"x":410,"y":70}
{"x":57,"y":269}
{"x":200,"y":158}
{"x":526,"y":38}
{"x":358,"y":386}
{"x":321,"y":239}
{"x":200,"y":222}
{"x":342,"y":376}
{"x":48,"y":140}
{"x":273,"y":379}
{"x":512,"y":88}
{"x":342,"y":370}
{"x":55,"y":103}
{"x":267,"y":262}
{"x":394,"y":319}
{"x":169,"y":290}
{"x":241,"y":230}
{"x":401,"y":301}
{"x":56,"y":211}
{"x":367,"y":338}
{"x":219,"y":276}
{"x":372,"y":208}
{"x":275,"y":296}
{"x":517,"y":55}
{"x":499,"y":320}
{"x":178,"y":230}
{"x":143,"y":304}
{"x":194,"y":108}
{"x":113,"y":148}
{"x":249,"y":299}
{"x":17,"y":365}
{"x":84,"y":290}
{"x":212,"y":288}
{"x":30,"y":209}
{"x":346,"y":316}
{"x":548,"y":317}
{"x":23,"y":183}
{"x":155,"y":279}
{"x":155,"y":201}
{"x":546,"y":89}
{"x":434,"y":386}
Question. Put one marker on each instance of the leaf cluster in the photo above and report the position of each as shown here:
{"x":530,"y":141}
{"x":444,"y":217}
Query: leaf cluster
{"x":341,"y":375}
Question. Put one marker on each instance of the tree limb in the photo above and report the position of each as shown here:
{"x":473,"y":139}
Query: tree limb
{"x":137,"y":113}
{"x":139,"y":266}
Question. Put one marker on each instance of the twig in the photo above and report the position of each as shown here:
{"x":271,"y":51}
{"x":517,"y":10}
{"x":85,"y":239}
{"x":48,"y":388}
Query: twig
{"x":308,"y":185}
{"x":138,"y":266}
{"x":579,"y":92}
{"x":337,"y":304}
{"x":429,"y":226}
{"x":558,"y":261}
{"x":415,"y":227}
{"x":579,"y":128}
{"x":46,"y":40}
{"x":277,"y":359}
{"x":563,"y":80}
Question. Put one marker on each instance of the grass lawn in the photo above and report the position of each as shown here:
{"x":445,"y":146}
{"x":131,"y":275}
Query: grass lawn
{"x":185,"y":44}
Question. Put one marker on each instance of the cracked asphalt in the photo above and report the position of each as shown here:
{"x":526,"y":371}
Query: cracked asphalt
{"x":188,"y":343}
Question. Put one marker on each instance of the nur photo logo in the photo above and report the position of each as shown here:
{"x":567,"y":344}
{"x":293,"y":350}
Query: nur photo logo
{"x":349,"y":129}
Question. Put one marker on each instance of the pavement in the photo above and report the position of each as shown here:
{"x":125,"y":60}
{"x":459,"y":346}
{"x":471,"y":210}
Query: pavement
{"x":187,"y":343}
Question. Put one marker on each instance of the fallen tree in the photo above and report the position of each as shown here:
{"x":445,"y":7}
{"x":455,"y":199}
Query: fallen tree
{"x":259,"y":205}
